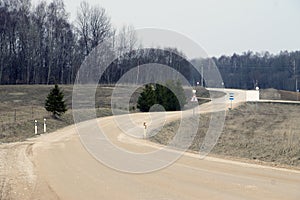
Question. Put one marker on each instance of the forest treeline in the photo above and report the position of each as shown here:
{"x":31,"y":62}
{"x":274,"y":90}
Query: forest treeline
{"x":264,"y":70}
{"x":39,"y":45}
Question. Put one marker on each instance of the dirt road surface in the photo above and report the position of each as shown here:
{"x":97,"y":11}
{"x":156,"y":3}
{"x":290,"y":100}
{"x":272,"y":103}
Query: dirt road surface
{"x":58,"y":166}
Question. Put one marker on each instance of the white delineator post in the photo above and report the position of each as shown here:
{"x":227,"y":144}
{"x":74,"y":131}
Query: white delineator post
{"x":35,"y":127}
{"x":45,"y":126}
{"x":145,"y":130}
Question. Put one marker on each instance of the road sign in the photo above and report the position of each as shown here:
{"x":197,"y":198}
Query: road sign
{"x":231,"y":96}
{"x":194,"y":99}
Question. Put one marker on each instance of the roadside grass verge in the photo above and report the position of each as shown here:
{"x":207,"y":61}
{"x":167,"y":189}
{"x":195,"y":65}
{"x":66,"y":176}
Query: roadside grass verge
{"x":255,"y":131}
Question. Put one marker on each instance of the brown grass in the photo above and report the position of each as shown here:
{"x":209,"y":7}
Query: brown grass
{"x":20,"y":105}
{"x":273,"y":94}
{"x":256,"y":131}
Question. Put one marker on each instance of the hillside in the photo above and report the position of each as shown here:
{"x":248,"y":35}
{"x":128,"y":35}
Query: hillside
{"x":20,"y":105}
{"x":260,"y":132}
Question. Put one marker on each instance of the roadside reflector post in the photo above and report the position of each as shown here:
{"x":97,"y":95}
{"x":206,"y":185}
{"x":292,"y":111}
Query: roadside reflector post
{"x":231,"y":98}
{"x":35,"y":127}
{"x":145,"y":130}
{"x":45,"y":126}
{"x":194,"y":99}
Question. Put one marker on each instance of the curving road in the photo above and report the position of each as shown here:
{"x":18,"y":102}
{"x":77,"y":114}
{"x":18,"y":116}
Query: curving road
{"x":63,"y":169}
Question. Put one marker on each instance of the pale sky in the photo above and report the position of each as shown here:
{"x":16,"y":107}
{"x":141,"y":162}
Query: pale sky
{"x":218,"y":26}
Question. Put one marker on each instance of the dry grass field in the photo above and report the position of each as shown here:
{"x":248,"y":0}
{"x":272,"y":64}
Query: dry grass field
{"x":20,"y":105}
{"x":273,"y":94}
{"x":256,"y":131}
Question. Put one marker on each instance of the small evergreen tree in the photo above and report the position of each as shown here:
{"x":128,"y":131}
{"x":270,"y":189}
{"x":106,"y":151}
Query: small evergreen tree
{"x":171,"y":97}
{"x":55,"y":102}
{"x":146,"y":99}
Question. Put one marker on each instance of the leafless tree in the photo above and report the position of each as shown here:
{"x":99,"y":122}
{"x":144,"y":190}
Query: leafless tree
{"x":93,"y":25}
{"x":127,"y":40}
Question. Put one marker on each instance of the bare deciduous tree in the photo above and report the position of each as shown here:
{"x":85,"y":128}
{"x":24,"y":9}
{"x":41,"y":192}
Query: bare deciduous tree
{"x":93,"y":25}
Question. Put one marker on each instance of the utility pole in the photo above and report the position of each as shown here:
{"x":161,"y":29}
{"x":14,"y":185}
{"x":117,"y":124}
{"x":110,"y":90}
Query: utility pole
{"x":138,"y":73}
{"x":296,"y":80}
{"x":202,"y":79}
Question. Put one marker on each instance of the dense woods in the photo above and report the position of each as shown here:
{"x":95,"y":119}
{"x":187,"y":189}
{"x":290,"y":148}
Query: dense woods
{"x":39,"y":45}
{"x":265,"y":70}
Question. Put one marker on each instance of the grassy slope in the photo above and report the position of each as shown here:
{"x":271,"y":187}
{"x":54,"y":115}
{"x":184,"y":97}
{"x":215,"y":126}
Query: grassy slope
{"x":265,"y":132}
{"x":273,"y":94}
{"x":20,"y":105}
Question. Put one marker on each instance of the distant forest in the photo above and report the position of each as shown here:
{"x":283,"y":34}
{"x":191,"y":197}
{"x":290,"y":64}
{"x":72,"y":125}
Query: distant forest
{"x":265,"y":70}
{"x":39,"y":45}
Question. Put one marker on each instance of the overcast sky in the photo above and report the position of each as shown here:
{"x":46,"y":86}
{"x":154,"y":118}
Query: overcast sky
{"x":218,"y":26}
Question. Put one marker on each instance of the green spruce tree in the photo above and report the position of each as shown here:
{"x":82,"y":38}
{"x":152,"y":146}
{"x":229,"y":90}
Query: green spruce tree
{"x":171,"y":96}
{"x":147,"y":98}
{"x":55,"y":102}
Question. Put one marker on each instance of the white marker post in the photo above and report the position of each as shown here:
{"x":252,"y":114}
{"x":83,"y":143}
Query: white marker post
{"x":45,"y":126}
{"x":145,"y":130}
{"x":194,"y":99}
{"x":35,"y":127}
